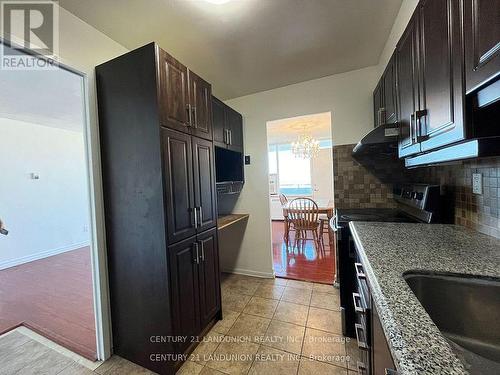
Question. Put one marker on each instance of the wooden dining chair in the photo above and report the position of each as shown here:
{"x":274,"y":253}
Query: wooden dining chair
{"x":286,"y":222}
{"x":303,"y":214}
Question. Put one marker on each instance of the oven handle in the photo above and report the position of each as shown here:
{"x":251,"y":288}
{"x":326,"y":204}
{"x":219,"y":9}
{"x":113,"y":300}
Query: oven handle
{"x":361,"y":344}
{"x":360,"y":273}
{"x":356,"y":297}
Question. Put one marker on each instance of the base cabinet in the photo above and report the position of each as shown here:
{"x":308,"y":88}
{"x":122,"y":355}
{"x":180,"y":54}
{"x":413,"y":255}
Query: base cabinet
{"x":160,"y":207}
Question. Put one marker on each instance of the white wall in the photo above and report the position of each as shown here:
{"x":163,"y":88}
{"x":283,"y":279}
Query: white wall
{"x":49,"y":215}
{"x":349,"y":98}
{"x":82,"y":47}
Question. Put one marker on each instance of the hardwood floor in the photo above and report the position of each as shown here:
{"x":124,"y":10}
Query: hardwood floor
{"x":54,"y":297}
{"x":308,"y":265}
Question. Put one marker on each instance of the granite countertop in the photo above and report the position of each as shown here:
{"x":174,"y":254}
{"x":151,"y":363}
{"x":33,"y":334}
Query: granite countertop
{"x":390,"y":249}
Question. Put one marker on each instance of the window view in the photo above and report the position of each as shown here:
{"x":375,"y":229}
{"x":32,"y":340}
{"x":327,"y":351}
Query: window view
{"x":293,"y":174}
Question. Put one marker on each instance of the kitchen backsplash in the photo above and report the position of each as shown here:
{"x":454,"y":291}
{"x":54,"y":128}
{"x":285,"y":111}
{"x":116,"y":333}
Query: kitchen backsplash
{"x":370,"y":185}
{"x":355,"y":187}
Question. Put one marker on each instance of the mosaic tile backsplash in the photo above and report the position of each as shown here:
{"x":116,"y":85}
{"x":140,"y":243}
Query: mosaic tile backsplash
{"x":370,"y":185}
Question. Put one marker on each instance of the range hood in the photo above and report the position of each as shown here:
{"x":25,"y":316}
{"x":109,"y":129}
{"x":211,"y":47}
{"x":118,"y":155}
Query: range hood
{"x":381,"y":142}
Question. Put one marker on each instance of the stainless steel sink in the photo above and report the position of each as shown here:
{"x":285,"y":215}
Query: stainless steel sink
{"x":467,"y":312}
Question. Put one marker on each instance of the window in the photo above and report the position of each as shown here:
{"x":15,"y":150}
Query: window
{"x":294,"y":174}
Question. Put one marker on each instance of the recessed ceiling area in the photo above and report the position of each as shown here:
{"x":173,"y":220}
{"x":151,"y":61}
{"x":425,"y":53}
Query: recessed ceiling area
{"x":248,"y":46}
{"x":319,"y":126}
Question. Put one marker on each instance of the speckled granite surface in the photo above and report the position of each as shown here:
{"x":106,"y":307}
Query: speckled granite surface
{"x":390,"y":249}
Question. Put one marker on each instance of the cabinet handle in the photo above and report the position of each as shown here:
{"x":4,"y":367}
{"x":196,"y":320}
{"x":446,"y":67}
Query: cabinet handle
{"x":418,"y":130}
{"x":202,"y":251}
{"x":360,"y":273}
{"x":188,"y":109}
{"x":361,"y":344}
{"x":195,"y":218}
{"x":197,"y":250}
{"x":412,"y":128}
{"x":201,"y":216}
{"x":225,"y":137}
{"x":195,"y":117}
{"x":230,"y":137}
{"x":356,"y":297}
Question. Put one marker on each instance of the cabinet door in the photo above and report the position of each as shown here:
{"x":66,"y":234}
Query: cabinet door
{"x":201,"y":106}
{"x":482,"y":41}
{"x":235,"y":125}
{"x":184,"y":288}
{"x":381,"y":354}
{"x":219,"y":122}
{"x":209,"y":276}
{"x":173,"y":93}
{"x":178,"y":180}
{"x":204,"y":184}
{"x":407,"y":81}
{"x":389,"y":92}
{"x":378,"y":104}
{"x":440,"y":120}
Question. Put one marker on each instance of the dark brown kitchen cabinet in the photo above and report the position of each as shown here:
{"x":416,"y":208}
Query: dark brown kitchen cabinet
{"x":430,"y":78}
{"x":185,"y":98}
{"x":384,"y":96}
{"x":440,"y":119}
{"x":195,"y":285}
{"x":173,"y":92}
{"x":407,"y":84}
{"x":160,"y":205}
{"x":389,"y":91}
{"x":185,"y":286}
{"x":219,"y":122}
{"x":234,"y":122}
{"x":381,"y":354}
{"x":208,"y":276}
{"x":201,"y":106}
{"x":204,"y":193}
{"x":482,"y":41}
{"x":228,"y":126}
{"x":378,"y":104}
{"x":178,"y":177}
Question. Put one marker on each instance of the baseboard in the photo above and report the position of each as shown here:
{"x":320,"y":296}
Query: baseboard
{"x":240,"y":271}
{"x":42,"y":255}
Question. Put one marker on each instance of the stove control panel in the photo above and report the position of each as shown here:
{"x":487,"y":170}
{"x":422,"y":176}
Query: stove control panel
{"x":421,"y":196}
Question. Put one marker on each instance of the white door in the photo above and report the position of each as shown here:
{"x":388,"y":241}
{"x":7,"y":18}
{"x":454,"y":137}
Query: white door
{"x":322,"y":174}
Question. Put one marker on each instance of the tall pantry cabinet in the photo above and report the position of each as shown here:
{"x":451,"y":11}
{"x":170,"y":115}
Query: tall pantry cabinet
{"x":155,"y":119}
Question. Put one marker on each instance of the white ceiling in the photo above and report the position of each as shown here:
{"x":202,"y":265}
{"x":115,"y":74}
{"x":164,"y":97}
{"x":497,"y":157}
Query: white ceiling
{"x":247,"y":46}
{"x":50,"y":98}
{"x":288,"y":130}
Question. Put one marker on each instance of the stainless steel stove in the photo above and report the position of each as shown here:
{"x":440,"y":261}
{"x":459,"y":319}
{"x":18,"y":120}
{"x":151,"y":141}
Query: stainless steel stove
{"x":416,"y":203}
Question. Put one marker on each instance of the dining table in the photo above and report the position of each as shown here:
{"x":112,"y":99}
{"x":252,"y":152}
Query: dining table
{"x":325,"y":207}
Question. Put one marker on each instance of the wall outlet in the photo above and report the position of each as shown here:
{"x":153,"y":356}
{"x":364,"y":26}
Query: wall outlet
{"x":477,"y":183}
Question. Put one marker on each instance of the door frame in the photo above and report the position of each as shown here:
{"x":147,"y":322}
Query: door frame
{"x":100,"y":288}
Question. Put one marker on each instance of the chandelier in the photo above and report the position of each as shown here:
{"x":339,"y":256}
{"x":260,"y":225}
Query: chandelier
{"x":306,"y":147}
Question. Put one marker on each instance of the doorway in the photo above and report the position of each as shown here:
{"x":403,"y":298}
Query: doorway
{"x":297,"y":170}
{"x":46,"y":263}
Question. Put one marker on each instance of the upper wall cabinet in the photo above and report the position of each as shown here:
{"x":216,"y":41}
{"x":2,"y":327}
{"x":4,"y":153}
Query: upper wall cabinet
{"x":482,"y":41}
{"x":228,"y":126}
{"x":440,"y":118}
{"x":384,"y":96}
{"x":185,"y":98}
{"x":407,"y":83}
{"x":430,"y":78}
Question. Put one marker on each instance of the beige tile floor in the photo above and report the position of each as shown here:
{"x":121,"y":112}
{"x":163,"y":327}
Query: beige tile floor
{"x":269,"y":327}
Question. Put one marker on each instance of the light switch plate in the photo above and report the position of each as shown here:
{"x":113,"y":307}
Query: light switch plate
{"x":477,"y":183}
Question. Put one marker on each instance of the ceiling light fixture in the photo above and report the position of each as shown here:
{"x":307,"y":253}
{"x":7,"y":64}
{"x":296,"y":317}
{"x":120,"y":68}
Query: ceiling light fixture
{"x":306,"y":147}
